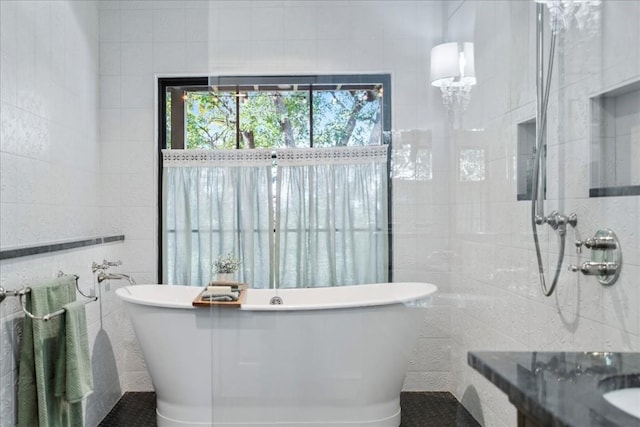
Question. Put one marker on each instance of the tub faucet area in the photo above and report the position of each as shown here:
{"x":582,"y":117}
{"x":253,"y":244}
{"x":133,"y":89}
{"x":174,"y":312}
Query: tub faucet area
{"x":102,"y":276}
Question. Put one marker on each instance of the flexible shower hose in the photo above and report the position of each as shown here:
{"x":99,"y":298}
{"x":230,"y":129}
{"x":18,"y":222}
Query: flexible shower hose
{"x":540,"y":145}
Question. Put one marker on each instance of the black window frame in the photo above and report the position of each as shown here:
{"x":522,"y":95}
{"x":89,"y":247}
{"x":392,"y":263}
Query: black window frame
{"x":333,"y":79}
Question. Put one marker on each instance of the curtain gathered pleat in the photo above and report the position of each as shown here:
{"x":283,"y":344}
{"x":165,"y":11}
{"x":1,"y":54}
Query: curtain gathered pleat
{"x":215,"y":203}
{"x":327,"y":226}
{"x":331,"y":222}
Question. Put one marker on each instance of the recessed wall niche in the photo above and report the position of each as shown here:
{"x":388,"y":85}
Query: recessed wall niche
{"x":526,"y":155}
{"x":615,"y":142}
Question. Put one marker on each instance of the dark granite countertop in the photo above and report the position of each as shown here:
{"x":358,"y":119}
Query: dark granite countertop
{"x":562,"y":389}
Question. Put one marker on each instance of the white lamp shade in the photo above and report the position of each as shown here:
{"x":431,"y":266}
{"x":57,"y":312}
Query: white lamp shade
{"x":452,"y":64}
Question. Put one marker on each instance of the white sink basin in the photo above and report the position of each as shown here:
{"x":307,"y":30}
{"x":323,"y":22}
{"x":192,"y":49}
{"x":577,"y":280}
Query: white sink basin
{"x":626,"y":399}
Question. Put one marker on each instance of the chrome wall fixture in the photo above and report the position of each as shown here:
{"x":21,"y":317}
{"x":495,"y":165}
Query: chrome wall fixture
{"x":556,"y":220}
{"x":453,"y":71}
{"x":606,"y":257}
{"x":102,"y":275}
{"x":561,"y":13}
{"x":105,"y":264}
{"x":20,"y":293}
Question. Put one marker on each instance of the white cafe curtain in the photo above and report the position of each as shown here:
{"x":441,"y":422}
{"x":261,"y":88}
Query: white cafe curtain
{"x":331,"y":216}
{"x":215,"y":203}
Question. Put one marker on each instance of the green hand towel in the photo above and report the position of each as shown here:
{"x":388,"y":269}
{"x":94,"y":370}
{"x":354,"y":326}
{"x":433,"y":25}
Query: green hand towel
{"x":37,"y":404}
{"x":74,"y":378}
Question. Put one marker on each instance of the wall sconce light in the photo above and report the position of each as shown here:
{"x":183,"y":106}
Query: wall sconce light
{"x":562,"y":12}
{"x":453,"y":71}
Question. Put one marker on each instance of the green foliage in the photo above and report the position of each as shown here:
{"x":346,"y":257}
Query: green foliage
{"x":211,"y":120}
{"x":167,"y":109}
{"x":281,"y":119}
{"x":334,"y":111}
{"x":226,"y":264}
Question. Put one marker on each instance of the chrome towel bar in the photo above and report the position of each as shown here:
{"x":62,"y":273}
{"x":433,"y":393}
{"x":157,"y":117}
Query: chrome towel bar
{"x":20,"y":293}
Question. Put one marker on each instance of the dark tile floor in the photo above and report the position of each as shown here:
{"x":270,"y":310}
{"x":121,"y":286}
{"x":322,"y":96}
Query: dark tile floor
{"x":418,"y":410}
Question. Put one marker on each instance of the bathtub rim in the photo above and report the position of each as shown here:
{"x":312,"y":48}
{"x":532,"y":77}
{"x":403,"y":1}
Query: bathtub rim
{"x":385,"y":294}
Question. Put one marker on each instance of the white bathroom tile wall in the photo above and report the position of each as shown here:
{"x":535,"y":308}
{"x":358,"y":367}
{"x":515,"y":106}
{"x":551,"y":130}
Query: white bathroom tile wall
{"x":299,"y":21}
{"x":170,"y":57}
{"x":137,"y":381}
{"x":196,"y":23}
{"x":498,"y":304}
{"x":110,"y":58}
{"x":110,"y":221}
{"x":299,"y":55}
{"x":267,"y":56}
{"x":136,"y":124}
{"x":135,"y":189}
{"x":332,"y":54}
{"x":228,"y":20}
{"x":51,"y":160}
{"x":426,"y":381}
{"x":452,"y":7}
{"x":266,"y":23}
{"x":619,"y":37}
{"x":49,"y":146}
{"x":226,"y":57}
{"x":103,"y":340}
{"x":520,"y":69}
{"x":169,"y":24}
{"x":109,"y":91}
{"x":431,"y":355}
{"x":619,"y":302}
{"x":136,"y":91}
{"x":197,"y":55}
{"x":110,"y":23}
{"x":110,"y":147}
{"x":7,"y":79}
{"x":437,"y":322}
{"x":135,"y":58}
{"x":136,"y":224}
{"x":370,"y":29}
{"x":136,"y":25}
{"x":331,"y":25}
{"x":365,"y":54}
{"x":110,"y":191}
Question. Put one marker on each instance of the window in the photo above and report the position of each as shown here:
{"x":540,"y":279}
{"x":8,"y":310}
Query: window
{"x":213,"y":114}
{"x":275,"y":113}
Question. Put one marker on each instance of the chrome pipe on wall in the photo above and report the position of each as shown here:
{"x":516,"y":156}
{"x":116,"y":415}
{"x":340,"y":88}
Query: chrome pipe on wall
{"x":556,"y":220}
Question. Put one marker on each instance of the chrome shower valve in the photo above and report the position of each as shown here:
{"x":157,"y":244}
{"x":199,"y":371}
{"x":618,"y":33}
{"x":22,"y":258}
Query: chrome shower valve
{"x":603,"y":242}
{"x":590,"y":268}
{"x":606,"y":257}
{"x":558,"y":221}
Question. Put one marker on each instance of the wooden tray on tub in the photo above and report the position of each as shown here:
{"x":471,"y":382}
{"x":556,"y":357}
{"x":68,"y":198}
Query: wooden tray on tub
{"x":242,"y":287}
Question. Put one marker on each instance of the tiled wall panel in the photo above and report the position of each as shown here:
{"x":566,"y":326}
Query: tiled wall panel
{"x":498,"y":303}
{"x":50,"y":174}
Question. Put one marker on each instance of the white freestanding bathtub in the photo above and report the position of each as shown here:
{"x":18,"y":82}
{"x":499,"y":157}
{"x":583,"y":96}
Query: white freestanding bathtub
{"x":325,"y":357}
